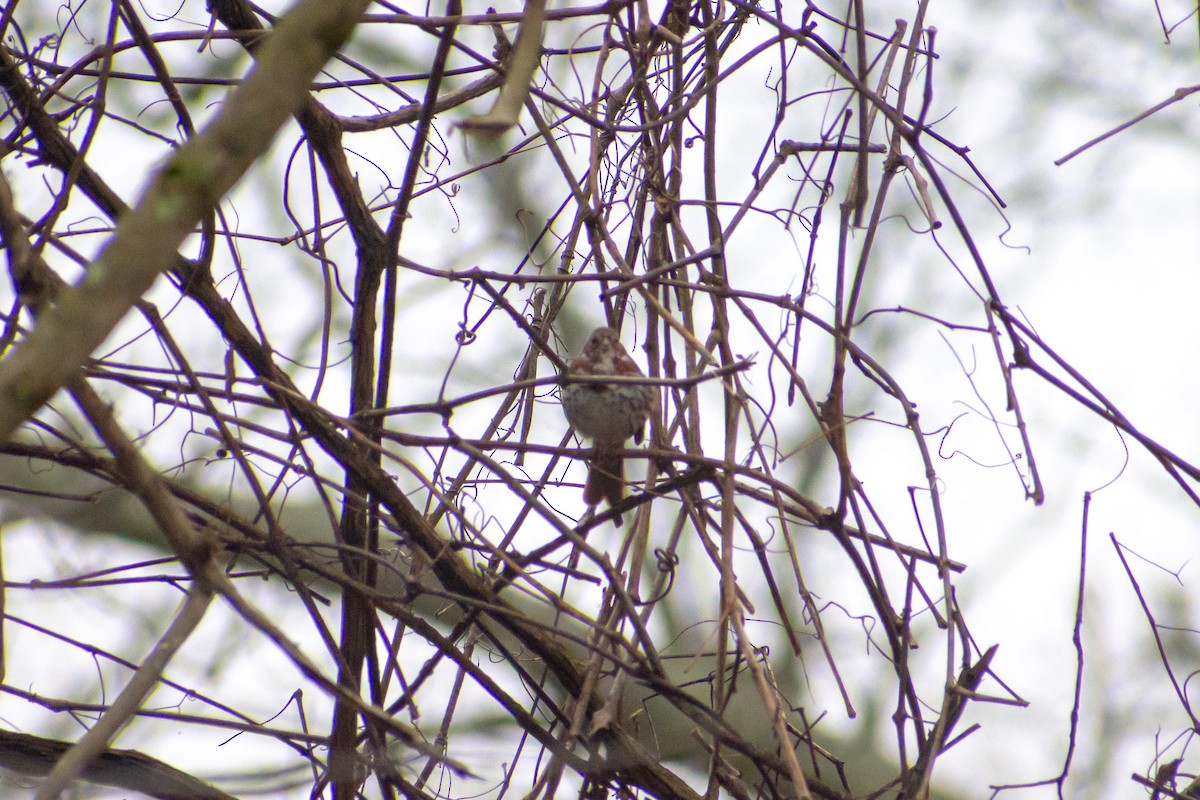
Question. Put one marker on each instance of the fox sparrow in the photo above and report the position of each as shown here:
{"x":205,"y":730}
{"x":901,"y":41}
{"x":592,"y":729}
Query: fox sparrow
{"x":607,"y":413}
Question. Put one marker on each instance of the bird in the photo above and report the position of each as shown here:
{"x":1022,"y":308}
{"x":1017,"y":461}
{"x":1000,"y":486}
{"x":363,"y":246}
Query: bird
{"x":608,"y":413}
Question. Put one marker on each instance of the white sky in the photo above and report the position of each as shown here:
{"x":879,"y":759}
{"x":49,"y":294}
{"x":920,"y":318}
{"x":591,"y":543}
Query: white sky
{"x":1110,"y":280}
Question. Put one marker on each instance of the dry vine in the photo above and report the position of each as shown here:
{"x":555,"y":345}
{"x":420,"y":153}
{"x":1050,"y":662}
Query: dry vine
{"x":347,"y":384}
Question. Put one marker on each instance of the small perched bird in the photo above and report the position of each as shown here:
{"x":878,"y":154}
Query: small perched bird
{"x":608,"y":413}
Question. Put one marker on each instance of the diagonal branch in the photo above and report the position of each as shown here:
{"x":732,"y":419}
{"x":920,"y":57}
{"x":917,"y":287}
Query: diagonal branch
{"x":191,"y":183}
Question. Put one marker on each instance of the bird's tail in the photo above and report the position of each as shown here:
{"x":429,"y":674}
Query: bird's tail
{"x":606,"y":476}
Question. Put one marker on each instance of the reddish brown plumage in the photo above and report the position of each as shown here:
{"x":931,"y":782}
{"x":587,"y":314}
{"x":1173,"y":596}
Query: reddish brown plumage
{"x":607,"y":413}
